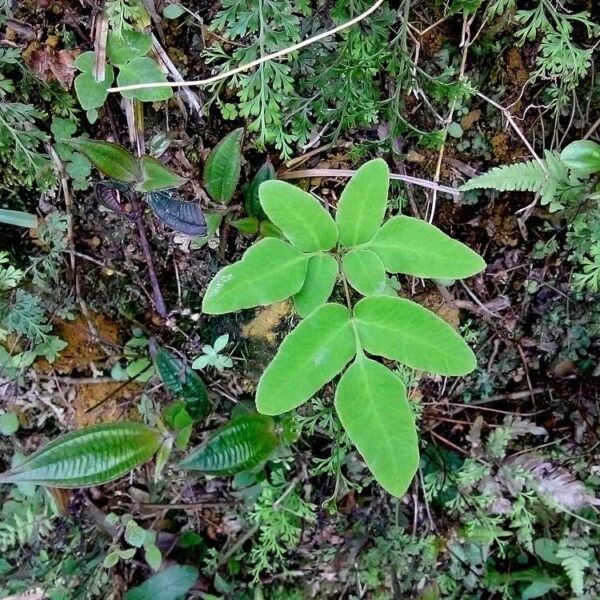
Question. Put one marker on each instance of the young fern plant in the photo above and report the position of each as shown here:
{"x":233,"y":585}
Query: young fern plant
{"x":358,"y":249}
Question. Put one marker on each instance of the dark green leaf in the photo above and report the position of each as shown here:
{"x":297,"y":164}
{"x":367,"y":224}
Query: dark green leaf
{"x":186,"y":217}
{"x":241,"y":445}
{"x":143,"y":70}
{"x":223,"y":167}
{"x":251,"y":198}
{"x":128,"y":44}
{"x":155,"y":176}
{"x":89,"y":456}
{"x":171,"y":584}
{"x":182,"y":381}
{"x":112,"y":160}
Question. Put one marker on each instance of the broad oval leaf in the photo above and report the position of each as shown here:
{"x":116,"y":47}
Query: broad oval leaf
{"x":363,"y":202}
{"x":304,"y":222}
{"x":239,"y":446}
{"x":223,"y":167}
{"x":365,"y":272}
{"x":121,"y":48}
{"x":310,"y":356}
{"x":582,"y":156}
{"x":91,"y":93}
{"x":89,"y":456}
{"x":251,"y":197}
{"x":412,"y":246}
{"x":171,"y":584}
{"x":155,"y":176}
{"x":112,"y":160}
{"x":143,"y":70}
{"x":320,"y":280}
{"x":186,"y":217}
{"x":270,"y":271}
{"x":372,"y":405}
{"x":402,"y":330}
{"x":181,"y":381}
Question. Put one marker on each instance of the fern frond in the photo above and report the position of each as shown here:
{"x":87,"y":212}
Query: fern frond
{"x":521,"y":177}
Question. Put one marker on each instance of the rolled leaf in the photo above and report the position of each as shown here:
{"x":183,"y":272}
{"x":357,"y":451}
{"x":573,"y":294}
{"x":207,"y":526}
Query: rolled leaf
{"x":251,"y":197}
{"x":414,"y":247}
{"x":365,"y":272}
{"x":89,"y":456}
{"x":181,"y":381}
{"x":112,"y":160}
{"x":404,"y":331}
{"x":241,"y":445}
{"x":372,"y":405}
{"x":299,"y":215}
{"x":582,"y":156}
{"x":223,"y":167}
{"x":310,"y":356}
{"x":363,"y":203}
{"x":321,"y":276}
{"x":270,"y":271}
{"x":155,"y":176}
{"x":109,"y":195}
{"x":186,"y":217}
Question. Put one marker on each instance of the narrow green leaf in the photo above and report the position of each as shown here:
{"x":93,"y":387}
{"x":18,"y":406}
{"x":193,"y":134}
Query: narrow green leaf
{"x":90,"y":456}
{"x":143,"y":70}
{"x":251,"y":197}
{"x":372,"y":405}
{"x":365,"y":272}
{"x":270,"y":271}
{"x":182,"y":381}
{"x":362,"y":206}
{"x":128,"y":44}
{"x":171,"y":584}
{"x":155,"y":176}
{"x":304,"y":222}
{"x":223,"y":167}
{"x":402,"y":330}
{"x":310,"y":356}
{"x":414,"y":247}
{"x":186,"y":217}
{"x":18,"y":218}
{"x":112,"y":160}
{"x":238,"y":446}
{"x":582,"y":156}
{"x":320,"y":280}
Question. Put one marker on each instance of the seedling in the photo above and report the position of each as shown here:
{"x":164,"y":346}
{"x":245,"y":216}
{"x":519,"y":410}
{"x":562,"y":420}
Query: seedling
{"x":358,"y":249}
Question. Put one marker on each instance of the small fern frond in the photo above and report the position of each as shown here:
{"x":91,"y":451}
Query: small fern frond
{"x":520,"y":177}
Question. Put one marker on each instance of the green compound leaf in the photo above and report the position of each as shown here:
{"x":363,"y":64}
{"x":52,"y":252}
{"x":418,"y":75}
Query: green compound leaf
{"x":582,"y":156}
{"x":320,"y":280}
{"x":414,"y":247}
{"x":186,"y":217}
{"x":171,"y":584}
{"x":304,"y":222}
{"x":127,"y":45}
{"x":372,"y":405}
{"x":143,"y":70}
{"x":182,"y":381}
{"x":110,"y":159}
{"x":365,"y":272}
{"x":89,"y":456}
{"x":310,"y":356}
{"x":362,"y":206}
{"x":270,"y":271}
{"x":239,"y":446}
{"x":402,"y":330}
{"x":251,"y":197}
{"x":155,"y":176}
{"x":223,"y":167}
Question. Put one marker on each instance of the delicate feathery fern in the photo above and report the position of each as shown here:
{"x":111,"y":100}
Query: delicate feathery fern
{"x":550,"y":178}
{"x":575,"y":556}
